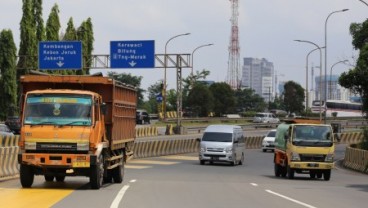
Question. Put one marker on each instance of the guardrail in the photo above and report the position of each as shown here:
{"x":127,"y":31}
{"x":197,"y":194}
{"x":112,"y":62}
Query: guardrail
{"x":8,"y":156}
{"x":356,"y":159}
{"x":152,"y":148}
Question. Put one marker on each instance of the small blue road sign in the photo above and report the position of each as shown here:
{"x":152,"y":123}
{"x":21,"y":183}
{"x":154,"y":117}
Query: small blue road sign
{"x":132,"y":54}
{"x":59,"y":55}
{"x":159,"y":98}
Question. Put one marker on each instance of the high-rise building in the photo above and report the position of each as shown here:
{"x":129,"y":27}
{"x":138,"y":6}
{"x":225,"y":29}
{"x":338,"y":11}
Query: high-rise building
{"x":258,"y":74}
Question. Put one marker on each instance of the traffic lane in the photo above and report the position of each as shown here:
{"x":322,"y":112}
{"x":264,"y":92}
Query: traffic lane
{"x":189,"y":184}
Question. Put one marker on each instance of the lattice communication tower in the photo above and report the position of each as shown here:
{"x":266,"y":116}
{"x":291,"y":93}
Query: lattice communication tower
{"x":234,"y":70}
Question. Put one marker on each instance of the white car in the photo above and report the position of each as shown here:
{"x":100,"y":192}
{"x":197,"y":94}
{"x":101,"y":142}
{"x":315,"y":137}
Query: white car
{"x":4,"y":130}
{"x":268,"y":142}
{"x":265,"y":118}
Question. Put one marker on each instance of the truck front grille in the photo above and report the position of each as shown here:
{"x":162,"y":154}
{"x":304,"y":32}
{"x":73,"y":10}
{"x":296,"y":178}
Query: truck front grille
{"x":312,"y":158}
{"x":44,"y":146}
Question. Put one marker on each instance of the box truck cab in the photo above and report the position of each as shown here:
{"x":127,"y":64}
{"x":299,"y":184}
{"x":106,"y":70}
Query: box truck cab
{"x":222,"y":143}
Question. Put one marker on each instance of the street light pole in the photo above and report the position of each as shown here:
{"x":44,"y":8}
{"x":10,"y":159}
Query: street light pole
{"x":320,"y":65}
{"x":306,"y":80}
{"x":165,"y":63}
{"x":325,"y":84}
{"x":201,"y":46}
{"x":344,"y":61}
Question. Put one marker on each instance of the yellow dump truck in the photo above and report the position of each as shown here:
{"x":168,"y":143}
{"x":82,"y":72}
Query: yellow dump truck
{"x":304,"y":147}
{"x":75,"y":126}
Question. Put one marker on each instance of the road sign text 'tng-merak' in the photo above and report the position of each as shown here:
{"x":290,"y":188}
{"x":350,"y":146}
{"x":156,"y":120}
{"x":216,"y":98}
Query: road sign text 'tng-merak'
{"x":59,"y":55}
{"x":132,"y":54}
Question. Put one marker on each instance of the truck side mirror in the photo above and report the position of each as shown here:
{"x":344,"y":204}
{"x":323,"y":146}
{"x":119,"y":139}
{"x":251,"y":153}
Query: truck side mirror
{"x":104,"y":108}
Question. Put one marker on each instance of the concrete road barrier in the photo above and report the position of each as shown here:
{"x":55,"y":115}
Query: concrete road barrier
{"x":8,"y":156}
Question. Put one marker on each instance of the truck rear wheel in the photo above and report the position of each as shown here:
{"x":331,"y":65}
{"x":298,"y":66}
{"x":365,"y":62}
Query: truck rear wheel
{"x":60,"y":178}
{"x":26,"y":176}
{"x":118,"y":173}
{"x":96,"y":174}
{"x":49,"y":178}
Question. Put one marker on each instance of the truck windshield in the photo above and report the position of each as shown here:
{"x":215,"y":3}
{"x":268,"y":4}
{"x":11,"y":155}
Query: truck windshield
{"x":304,"y":135}
{"x":58,"y":109}
{"x":217,"y":137}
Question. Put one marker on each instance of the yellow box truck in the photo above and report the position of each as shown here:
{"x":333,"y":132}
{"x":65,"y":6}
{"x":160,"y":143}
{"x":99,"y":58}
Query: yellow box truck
{"x":304,"y":148}
{"x":75,"y":126}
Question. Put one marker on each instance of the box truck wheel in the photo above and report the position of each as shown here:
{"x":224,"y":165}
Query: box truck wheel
{"x":26,"y":176}
{"x":60,"y":178}
{"x":118,"y":173}
{"x":49,"y":178}
{"x":96,"y":174}
{"x":327,"y":175}
{"x":290,"y":172}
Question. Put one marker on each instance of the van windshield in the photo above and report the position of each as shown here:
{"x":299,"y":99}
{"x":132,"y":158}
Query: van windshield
{"x":217,"y":137}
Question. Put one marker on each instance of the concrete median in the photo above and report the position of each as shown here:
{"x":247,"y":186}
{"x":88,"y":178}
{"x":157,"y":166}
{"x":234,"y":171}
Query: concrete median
{"x":8,"y":156}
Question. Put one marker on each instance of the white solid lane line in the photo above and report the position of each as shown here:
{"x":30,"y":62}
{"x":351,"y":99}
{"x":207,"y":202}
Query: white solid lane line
{"x":119,"y":197}
{"x":290,"y":199}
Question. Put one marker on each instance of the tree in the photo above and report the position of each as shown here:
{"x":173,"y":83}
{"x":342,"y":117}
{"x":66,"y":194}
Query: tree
{"x":8,"y":83}
{"x":70,"y":32}
{"x":152,"y":105}
{"x":224,"y":99}
{"x":129,"y":79}
{"x":200,"y":100}
{"x":190,"y":81}
{"x":293,"y":97}
{"x":53,"y":24}
{"x":356,"y":79}
{"x":247,"y":99}
{"x":85,"y":34}
{"x":27,"y":47}
{"x":38,"y":20}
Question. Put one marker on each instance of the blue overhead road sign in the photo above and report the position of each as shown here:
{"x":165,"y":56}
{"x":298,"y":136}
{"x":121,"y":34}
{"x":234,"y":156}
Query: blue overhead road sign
{"x":132,"y":54}
{"x":59,"y":55}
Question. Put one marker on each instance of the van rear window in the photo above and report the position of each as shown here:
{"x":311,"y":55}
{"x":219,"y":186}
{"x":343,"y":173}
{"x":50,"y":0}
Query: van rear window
{"x":217,"y":137}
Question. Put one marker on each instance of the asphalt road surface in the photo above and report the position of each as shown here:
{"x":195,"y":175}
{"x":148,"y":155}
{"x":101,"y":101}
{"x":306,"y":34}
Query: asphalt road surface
{"x":180,"y":181}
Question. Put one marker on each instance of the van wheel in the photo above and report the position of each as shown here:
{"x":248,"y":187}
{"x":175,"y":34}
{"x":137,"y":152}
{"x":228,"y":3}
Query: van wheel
{"x":241,"y":162}
{"x":202,"y":162}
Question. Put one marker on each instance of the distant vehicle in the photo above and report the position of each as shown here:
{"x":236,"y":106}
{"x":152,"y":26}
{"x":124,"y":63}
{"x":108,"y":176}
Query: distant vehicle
{"x":5,"y":130}
{"x":142,"y":117}
{"x":13,"y":122}
{"x":222,"y":143}
{"x":268,"y":142}
{"x":265,"y":118}
{"x":341,"y":107}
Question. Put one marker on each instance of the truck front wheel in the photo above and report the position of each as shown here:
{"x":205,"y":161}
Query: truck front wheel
{"x":26,"y":176}
{"x":96,"y":174}
{"x":290,"y":172}
{"x":327,"y":175}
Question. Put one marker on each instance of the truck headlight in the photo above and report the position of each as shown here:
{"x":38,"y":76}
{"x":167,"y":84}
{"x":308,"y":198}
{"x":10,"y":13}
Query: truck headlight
{"x":294,"y":156}
{"x":229,"y":150}
{"x":329,"y":158}
{"x":82,"y":146}
{"x":30,"y":145}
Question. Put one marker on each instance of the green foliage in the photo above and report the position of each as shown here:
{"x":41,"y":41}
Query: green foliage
{"x":85,"y":34}
{"x":152,"y":105}
{"x":364,"y":143}
{"x":129,"y":79}
{"x":70,"y":32}
{"x":356,"y":79}
{"x":293,"y":97}
{"x":38,"y":20}
{"x":200,"y":100}
{"x":53,"y":24}
{"x":8,"y":84}
{"x":224,"y":99}
{"x":28,"y":43}
{"x":248,"y":100}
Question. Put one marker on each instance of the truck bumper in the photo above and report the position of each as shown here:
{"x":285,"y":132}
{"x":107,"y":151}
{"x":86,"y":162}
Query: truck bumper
{"x":57,"y":160}
{"x":311,"y":165}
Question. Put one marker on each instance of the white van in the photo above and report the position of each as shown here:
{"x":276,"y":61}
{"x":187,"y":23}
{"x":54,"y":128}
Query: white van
{"x":222,"y":143}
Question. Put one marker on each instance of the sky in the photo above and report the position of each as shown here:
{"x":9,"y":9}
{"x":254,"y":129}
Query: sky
{"x":267,"y":29}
